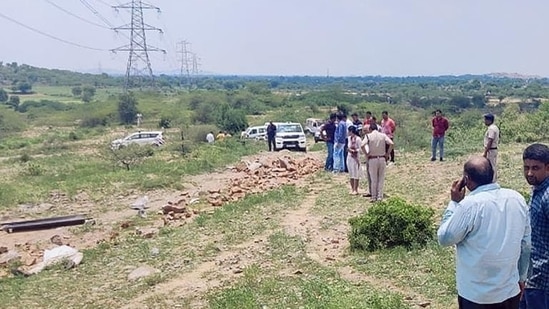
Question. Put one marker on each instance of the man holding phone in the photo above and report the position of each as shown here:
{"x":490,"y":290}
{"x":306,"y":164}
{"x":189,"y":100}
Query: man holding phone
{"x":490,"y":228}
{"x":536,"y":172}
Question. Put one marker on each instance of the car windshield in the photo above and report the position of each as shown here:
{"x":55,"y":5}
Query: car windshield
{"x":289,"y":128}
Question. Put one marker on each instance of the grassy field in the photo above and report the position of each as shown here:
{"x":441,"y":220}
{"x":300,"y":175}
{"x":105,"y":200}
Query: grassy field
{"x":282,"y":248}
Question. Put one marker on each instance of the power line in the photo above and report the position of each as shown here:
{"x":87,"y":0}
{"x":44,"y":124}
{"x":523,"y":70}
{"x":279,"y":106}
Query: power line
{"x":74,"y":15}
{"x":49,"y":35}
{"x":96,"y":13}
{"x":105,"y":3}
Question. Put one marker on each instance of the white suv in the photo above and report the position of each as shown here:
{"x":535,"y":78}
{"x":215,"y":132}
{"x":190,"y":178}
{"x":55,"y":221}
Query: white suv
{"x":141,"y":138}
{"x":257,"y":132}
{"x":290,"y":135}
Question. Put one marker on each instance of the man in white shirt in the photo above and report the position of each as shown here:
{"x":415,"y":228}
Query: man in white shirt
{"x":491,"y":231}
{"x":210,"y":138}
{"x":491,"y":141}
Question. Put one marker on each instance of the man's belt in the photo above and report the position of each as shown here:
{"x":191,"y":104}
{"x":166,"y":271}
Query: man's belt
{"x":494,"y":148}
{"x":375,"y":157}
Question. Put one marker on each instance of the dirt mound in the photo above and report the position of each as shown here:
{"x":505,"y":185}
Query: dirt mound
{"x":262,"y":175}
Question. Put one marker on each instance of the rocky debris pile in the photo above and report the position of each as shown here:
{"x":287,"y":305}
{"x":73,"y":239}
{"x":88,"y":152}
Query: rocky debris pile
{"x":262,"y":175}
{"x":32,"y":260}
{"x":176,"y":211}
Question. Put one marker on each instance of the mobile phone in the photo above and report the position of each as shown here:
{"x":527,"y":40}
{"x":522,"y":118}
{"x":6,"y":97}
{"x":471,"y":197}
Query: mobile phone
{"x":462,"y":183}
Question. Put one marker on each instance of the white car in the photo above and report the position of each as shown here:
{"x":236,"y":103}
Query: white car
{"x":312,"y":126}
{"x":153,"y":138}
{"x":256,"y":132}
{"x":290,"y":135}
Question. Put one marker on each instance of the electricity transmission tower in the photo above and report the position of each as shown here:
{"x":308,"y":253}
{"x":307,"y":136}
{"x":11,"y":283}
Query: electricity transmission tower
{"x":139,"y":71}
{"x":189,"y":62}
{"x":185,"y":59}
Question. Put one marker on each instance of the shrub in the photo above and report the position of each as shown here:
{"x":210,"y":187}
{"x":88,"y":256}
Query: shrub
{"x":33,"y":169}
{"x":127,"y":108}
{"x":391,"y":223}
{"x":128,"y":156}
{"x":73,"y":136}
{"x":25,"y":157}
{"x":94,"y":121}
{"x":165,"y":123}
{"x":197,"y":133}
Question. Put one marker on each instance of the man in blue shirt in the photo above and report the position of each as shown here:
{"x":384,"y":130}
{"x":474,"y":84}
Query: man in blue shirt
{"x":339,"y":144}
{"x":491,"y":231}
{"x":327,"y":133}
{"x":536,"y":171}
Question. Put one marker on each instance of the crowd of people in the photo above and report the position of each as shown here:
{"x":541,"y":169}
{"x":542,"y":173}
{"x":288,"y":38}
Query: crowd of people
{"x":360,"y":147}
{"x":363,"y":148}
{"x":502,"y":243}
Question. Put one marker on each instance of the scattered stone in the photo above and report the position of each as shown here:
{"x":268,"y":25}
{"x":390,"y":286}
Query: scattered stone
{"x":169,"y":208}
{"x":254,"y":166}
{"x":283,"y":163}
{"x":238,"y":271}
{"x":425,"y":304}
{"x":28,"y":260}
{"x":56,"y":240}
{"x":125,"y":224}
{"x":142,"y":272}
{"x":298,"y":272}
{"x":155,"y":251}
{"x":3,"y":249}
{"x":10,"y":256}
{"x":147,"y":232}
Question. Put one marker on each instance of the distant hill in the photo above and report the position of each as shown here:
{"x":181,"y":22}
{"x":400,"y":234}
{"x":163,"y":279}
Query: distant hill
{"x":514,"y":76}
{"x":11,"y":73}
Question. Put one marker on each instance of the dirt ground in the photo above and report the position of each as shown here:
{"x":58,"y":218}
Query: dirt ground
{"x":104,"y":224}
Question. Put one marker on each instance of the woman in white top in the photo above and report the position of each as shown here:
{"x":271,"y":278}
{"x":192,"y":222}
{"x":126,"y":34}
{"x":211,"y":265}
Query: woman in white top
{"x":353,"y":162}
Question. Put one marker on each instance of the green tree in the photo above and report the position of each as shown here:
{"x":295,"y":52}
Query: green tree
{"x":3,"y":95}
{"x":87,"y":93}
{"x":500,"y":98}
{"x":233,"y":121}
{"x":24,"y":87}
{"x":127,"y":108}
{"x":14,"y":102}
{"x":478,"y":101}
{"x":76,"y":91}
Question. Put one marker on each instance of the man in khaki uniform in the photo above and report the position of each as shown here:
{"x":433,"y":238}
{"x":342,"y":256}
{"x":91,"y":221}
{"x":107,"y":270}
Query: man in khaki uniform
{"x":491,"y":141}
{"x":374,"y":146}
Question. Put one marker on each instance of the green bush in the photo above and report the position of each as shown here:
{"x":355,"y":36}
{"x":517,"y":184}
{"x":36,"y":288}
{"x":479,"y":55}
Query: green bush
{"x":391,"y":223}
{"x":73,"y":136}
{"x":93,"y":121}
{"x":197,"y":133}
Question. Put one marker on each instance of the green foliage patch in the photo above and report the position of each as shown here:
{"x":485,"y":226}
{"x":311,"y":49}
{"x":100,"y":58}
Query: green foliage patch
{"x":391,"y":223}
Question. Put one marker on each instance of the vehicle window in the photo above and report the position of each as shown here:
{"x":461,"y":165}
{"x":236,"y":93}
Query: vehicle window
{"x":254,"y":131}
{"x":134,"y":136}
{"x":261,"y":130}
{"x":291,"y":128}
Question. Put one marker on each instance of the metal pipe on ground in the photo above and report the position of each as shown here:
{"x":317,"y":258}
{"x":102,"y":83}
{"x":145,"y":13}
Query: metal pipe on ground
{"x":41,"y":224}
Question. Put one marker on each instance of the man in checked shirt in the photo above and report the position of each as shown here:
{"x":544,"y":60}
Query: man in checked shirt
{"x":536,"y":171}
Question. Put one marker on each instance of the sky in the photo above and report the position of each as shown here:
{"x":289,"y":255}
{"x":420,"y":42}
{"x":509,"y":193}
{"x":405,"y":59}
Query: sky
{"x":289,"y":37}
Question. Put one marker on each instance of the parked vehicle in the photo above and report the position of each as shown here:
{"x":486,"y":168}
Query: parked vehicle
{"x":312,"y":126}
{"x":255,"y":132}
{"x":290,"y":135}
{"x":154,"y":138}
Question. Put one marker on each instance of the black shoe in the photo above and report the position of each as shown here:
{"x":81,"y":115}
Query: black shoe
{"x":433,"y":159}
{"x":441,"y":159}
